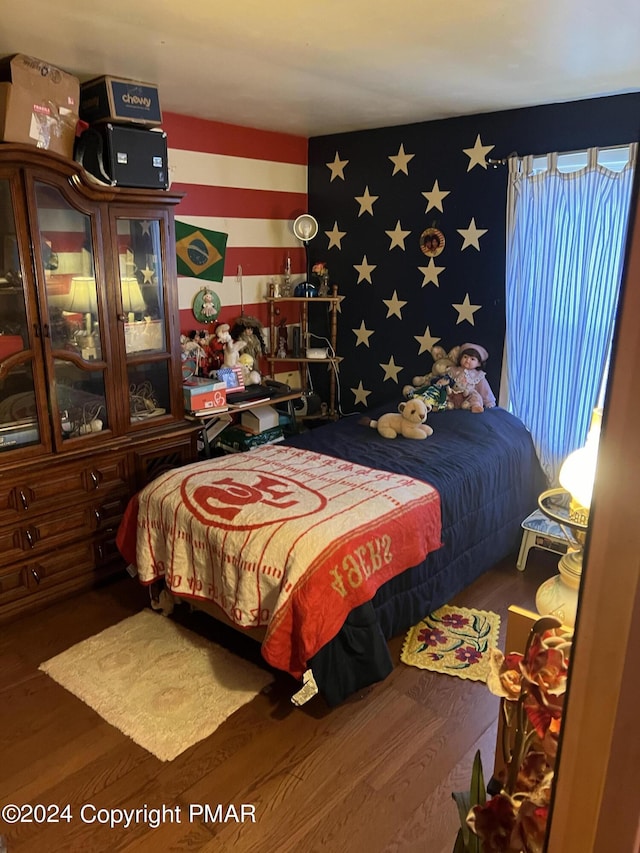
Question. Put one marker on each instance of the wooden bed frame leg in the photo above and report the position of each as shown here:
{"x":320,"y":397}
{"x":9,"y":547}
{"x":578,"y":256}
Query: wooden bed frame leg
{"x":307,"y":691}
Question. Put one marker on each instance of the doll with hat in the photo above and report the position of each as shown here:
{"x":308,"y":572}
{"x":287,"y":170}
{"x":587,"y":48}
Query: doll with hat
{"x":472,"y":379}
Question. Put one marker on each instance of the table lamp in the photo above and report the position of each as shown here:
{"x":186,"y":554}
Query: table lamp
{"x":83,"y":299}
{"x":132,"y":299}
{"x":569,"y":507}
{"x":305,"y":229}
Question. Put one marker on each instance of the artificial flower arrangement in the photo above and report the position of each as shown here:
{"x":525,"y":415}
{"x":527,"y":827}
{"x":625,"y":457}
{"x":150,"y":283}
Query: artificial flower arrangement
{"x":532,"y":689}
{"x":320,"y":277}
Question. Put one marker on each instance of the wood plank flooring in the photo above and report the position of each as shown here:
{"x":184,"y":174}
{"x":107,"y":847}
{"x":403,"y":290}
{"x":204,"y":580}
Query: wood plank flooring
{"x":374,"y":774}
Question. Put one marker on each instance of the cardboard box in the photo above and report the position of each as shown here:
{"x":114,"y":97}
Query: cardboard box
{"x":118,"y":99}
{"x":38,"y":104}
{"x":201,"y":394}
{"x":260,"y":419}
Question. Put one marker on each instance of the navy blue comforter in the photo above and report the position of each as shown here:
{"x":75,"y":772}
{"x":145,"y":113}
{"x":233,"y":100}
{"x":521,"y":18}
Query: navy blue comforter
{"x":485,"y":468}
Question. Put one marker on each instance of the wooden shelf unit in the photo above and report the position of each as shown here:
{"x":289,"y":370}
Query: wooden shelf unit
{"x":274,"y":361}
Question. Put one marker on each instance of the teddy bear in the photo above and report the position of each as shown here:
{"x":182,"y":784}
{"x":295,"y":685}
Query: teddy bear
{"x":409,"y":421}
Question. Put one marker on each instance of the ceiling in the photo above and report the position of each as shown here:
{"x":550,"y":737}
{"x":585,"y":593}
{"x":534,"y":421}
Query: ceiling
{"x":338,"y":65}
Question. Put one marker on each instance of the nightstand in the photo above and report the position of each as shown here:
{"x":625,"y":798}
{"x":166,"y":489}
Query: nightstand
{"x":540,"y":532}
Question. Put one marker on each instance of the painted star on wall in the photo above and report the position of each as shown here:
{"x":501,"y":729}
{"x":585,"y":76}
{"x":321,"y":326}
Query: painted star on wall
{"x":394,"y":306}
{"x":337,"y":167}
{"x":431,"y":273}
{"x":391,"y":370}
{"x":398,"y":236}
{"x":366,"y":201}
{"x":478,"y":154}
{"x":435,"y":197}
{"x":426,"y":341}
{"x":335,"y":236}
{"x":364,"y":270}
{"x":360,"y":394}
{"x":362,"y":334}
{"x":400,"y":161}
{"x":471,"y":235}
{"x":465,"y":310}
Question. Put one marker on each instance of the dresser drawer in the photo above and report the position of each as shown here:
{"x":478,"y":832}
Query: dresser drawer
{"x":36,"y":491}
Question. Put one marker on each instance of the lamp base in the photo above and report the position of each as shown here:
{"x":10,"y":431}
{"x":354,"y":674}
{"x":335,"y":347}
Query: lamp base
{"x":558,"y":596}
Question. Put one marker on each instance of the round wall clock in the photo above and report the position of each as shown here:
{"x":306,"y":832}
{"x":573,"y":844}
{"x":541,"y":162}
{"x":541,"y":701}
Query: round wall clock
{"x":206,"y":306}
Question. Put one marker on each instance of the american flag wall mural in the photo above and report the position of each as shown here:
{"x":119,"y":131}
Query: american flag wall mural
{"x":378,"y":194}
{"x":249,"y":184}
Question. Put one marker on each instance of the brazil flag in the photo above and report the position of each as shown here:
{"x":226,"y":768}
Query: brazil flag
{"x":200,"y":253}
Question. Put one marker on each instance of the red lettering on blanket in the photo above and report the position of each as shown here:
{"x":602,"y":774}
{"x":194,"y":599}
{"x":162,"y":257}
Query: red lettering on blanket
{"x":233,"y":493}
{"x":354,"y":572}
{"x":248,"y":498}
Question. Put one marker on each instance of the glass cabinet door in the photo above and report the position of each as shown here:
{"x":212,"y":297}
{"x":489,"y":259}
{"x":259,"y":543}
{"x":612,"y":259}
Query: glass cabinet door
{"x":72,"y":318}
{"x":18,"y":411}
{"x":143,"y":314}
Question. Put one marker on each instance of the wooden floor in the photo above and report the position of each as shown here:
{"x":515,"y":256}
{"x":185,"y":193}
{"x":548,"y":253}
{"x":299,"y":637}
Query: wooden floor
{"x":374,"y":774}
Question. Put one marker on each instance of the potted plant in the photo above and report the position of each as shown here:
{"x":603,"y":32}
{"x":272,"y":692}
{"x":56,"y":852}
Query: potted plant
{"x":532,"y":689}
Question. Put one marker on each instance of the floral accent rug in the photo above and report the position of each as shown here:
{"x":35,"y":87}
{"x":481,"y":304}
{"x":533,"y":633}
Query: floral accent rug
{"x":453,"y":640}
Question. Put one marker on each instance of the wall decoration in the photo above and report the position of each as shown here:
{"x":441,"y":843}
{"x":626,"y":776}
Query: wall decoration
{"x":206,"y":305}
{"x":200,"y":252}
{"x":432,"y":242}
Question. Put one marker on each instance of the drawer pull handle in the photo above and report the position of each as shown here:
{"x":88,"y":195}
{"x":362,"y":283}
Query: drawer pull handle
{"x":96,"y":512}
{"x":94,"y":479}
{"x":100,"y":551}
{"x":23,"y":500}
{"x":30,"y":538}
{"x":35,"y":575}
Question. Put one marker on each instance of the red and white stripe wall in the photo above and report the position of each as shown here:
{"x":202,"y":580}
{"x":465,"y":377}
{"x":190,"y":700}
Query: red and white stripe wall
{"x":250,"y":184}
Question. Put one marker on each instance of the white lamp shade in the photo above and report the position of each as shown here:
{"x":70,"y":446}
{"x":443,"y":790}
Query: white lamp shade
{"x":578,"y":471}
{"x":82,"y":296}
{"x":132,"y":299}
{"x":305,"y":227}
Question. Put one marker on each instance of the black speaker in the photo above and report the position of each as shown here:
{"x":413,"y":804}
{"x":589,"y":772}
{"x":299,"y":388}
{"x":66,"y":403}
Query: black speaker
{"x":123,"y":155}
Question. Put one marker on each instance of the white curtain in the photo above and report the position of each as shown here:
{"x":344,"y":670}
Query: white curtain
{"x":565,"y":249}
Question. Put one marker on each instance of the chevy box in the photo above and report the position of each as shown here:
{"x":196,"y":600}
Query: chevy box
{"x":116,"y":99}
{"x":38,"y":104}
{"x":201,"y":394}
{"x":260,"y":419}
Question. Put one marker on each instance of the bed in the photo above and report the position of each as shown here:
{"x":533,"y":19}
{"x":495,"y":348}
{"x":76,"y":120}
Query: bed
{"x":390,"y":530}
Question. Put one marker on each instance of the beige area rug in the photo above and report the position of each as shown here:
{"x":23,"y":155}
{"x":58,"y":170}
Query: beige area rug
{"x":159,"y":683}
{"x":453,"y":640}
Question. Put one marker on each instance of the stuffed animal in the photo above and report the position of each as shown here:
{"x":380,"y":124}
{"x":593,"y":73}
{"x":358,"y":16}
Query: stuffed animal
{"x":442,"y":363}
{"x":251,"y":376}
{"x":470,"y":388}
{"x":232,"y":349}
{"x":409,"y":421}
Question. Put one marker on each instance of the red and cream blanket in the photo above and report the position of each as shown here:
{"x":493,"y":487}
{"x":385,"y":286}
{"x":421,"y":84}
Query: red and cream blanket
{"x":283,"y":538}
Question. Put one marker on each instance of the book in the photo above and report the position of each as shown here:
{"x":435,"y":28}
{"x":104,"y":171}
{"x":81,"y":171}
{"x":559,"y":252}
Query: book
{"x":256,"y":401}
{"x":207,"y":413}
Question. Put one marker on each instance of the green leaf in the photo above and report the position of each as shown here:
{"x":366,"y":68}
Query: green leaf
{"x":478,"y":791}
{"x":460,"y":846}
{"x":463,"y":802}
